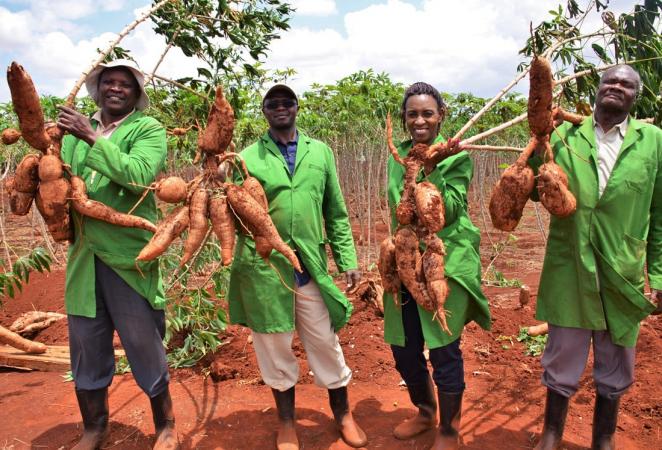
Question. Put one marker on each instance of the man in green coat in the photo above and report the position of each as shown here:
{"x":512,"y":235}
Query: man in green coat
{"x":117,"y":152}
{"x":592,"y":283}
{"x":299,"y":177}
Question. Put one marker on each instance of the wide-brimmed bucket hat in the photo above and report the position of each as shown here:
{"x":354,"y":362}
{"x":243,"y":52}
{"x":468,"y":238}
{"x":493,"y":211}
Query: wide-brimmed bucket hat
{"x":92,"y":80}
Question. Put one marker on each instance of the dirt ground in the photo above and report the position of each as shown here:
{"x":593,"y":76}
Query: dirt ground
{"x":503,"y":404}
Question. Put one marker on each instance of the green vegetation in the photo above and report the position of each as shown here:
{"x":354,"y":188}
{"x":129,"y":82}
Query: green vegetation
{"x":201,"y":320}
{"x":630,"y":37}
{"x":495,"y":277}
{"x":228,"y":39}
{"x":534,"y":345}
{"x":196,"y":313}
{"x":12,"y":281}
{"x":507,"y":341}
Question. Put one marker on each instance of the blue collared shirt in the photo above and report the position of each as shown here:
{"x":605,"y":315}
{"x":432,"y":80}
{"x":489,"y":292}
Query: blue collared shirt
{"x":289,"y":152}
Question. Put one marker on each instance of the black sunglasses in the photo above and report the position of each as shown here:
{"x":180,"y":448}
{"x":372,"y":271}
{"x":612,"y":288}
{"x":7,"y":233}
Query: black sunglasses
{"x":275,"y":104}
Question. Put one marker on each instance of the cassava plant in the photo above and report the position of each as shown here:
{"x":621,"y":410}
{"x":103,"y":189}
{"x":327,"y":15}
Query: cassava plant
{"x":11,"y":281}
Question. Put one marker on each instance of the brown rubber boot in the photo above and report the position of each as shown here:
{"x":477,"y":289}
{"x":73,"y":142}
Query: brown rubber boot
{"x":286,"y":438}
{"x":350,"y":431}
{"x":422,"y":396}
{"x":605,"y":418}
{"x":450,"y":413}
{"x":164,"y":422}
{"x":556,"y":409}
{"x":93,"y":406}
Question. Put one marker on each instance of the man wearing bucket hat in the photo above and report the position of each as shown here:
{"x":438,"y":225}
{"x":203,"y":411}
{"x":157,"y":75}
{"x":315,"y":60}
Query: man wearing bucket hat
{"x":116,"y":152}
{"x":301,"y":184}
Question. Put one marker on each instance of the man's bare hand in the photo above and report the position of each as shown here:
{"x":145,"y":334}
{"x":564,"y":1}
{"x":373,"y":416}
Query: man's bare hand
{"x":77,"y":124}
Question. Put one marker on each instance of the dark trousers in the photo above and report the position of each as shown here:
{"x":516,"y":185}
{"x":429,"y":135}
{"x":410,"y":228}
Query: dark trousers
{"x":447,"y":363}
{"x":140,"y":328}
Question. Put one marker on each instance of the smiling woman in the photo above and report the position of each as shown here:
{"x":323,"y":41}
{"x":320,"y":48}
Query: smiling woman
{"x":423,"y":118}
{"x":440,"y":290}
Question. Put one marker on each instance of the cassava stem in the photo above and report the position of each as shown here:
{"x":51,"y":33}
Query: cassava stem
{"x":102,"y":55}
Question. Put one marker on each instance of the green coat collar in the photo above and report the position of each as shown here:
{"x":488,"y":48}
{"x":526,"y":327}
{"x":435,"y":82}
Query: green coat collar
{"x":132,"y":117}
{"x":606,"y":239}
{"x":587,"y":130}
{"x":303,"y":147}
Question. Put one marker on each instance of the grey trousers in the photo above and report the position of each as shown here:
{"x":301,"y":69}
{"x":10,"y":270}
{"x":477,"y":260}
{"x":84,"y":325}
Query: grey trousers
{"x":140,"y":328}
{"x":565,"y":356}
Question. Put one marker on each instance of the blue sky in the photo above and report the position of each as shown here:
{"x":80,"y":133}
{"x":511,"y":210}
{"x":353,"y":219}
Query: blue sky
{"x":470,"y":45}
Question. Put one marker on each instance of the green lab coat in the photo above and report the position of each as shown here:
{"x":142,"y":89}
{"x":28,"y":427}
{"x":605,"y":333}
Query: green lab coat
{"x":135,"y":153}
{"x":303,"y":206}
{"x":466,"y":301}
{"x":593,"y":273}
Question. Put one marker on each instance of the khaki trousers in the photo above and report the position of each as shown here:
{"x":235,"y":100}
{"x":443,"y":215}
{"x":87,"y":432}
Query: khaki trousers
{"x":278,"y":364}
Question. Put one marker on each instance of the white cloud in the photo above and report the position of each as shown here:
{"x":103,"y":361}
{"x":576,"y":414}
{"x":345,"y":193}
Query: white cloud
{"x":113,"y":5}
{"x":65,"y":9}
{"x":20,"y":28}
{"x":314,"y":7}
{"x":15,"y":30}
{"x":147,"y":47}
{"x":324,"y":58}
{"x":55,"y":60}
{"x":457,"y":46}
{"x":468,"y":46}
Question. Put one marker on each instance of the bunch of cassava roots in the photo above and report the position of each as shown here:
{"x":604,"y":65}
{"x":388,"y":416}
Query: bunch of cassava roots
{"x":210,"y":201}
{"x":42,"y":177}
{"x":420,"y":216}
{"x":518,"y":181}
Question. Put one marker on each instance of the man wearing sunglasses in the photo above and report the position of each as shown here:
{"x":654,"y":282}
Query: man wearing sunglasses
{"x":299,"y":177}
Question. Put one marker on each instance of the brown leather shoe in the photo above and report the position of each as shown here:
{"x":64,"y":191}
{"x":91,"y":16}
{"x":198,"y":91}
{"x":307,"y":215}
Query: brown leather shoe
{"x":286,"y":437}
{"x":422,"y":396}
{"x":164,"y":422}
{"x":350,"y":431}
{"x":93,"y":405}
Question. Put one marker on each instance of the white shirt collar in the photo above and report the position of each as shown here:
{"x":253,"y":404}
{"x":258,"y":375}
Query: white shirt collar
{"x":621,"y":127}
{"x":97,"y":117}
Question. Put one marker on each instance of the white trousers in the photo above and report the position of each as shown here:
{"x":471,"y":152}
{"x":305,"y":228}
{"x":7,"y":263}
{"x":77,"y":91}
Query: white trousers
{"x":278,"y":364}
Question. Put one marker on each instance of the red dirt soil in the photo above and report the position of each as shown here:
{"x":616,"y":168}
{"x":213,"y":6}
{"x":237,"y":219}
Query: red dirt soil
{"x":503,"y":404}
